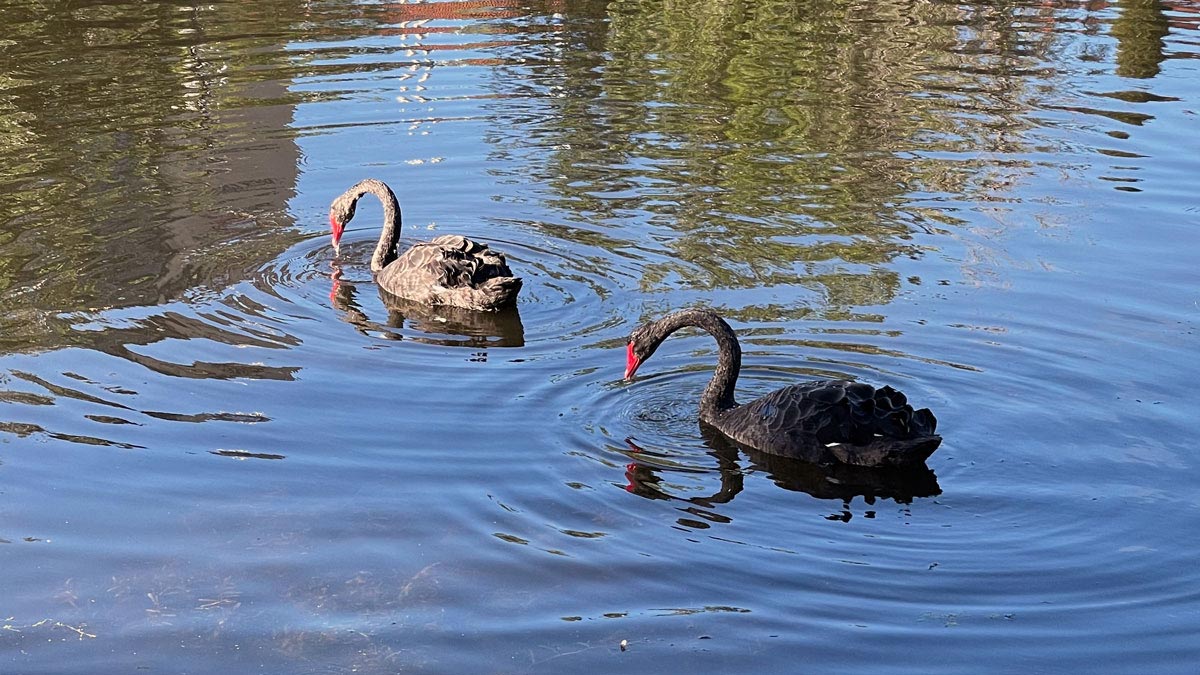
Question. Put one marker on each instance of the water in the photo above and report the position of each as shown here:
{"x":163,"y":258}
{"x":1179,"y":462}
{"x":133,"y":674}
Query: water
{"x":215,"y":459}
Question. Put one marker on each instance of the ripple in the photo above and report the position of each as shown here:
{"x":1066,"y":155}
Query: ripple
{"x":664,"y":407}
{"x":562,"y":299}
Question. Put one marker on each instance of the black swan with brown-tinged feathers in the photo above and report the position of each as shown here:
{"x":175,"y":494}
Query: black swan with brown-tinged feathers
{"x":447,"y":270}
{"x":824,"y":422}
{"x":430,"y":324}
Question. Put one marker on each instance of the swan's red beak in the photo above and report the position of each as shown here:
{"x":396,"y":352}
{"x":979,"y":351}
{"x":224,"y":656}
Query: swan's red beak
{"x":337,"y":229}
{"x":631,"y":362}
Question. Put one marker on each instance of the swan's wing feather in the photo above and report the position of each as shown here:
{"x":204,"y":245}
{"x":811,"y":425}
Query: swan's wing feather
{"x":808,"y":419}
{"x":452,"y":270}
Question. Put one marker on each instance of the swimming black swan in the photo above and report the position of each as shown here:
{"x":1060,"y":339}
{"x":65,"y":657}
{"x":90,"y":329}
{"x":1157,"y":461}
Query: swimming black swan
{"x":430,"y":324}
{"x":448,"y":270}
{"x":824,"y":422}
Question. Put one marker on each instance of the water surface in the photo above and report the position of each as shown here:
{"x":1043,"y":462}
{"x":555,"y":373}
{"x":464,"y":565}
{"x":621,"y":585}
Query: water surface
{"x":221,"y":450}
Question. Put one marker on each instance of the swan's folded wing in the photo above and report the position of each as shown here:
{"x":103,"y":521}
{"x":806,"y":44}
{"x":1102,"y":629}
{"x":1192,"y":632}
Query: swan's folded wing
{"x":817,"y":412}
{"x":451,"y":261}
{"x":809,"y":419}
{"x":451,"y":270}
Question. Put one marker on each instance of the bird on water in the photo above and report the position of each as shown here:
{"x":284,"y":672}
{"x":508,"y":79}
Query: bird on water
{"x":824,"y":422}
{"x":448,"y":270}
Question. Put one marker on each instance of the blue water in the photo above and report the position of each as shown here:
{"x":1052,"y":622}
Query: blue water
{"x":214,"y":459}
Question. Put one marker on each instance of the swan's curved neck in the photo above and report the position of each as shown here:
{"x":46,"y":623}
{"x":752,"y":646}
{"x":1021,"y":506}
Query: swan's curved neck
{"x":385,"y":250}
{"x":718,"y":395}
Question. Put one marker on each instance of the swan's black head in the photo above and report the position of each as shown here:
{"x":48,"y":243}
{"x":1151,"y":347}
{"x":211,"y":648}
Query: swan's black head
{"x":647,"y":338}
{"x":340,"y":213}
{"x":642,"y":343}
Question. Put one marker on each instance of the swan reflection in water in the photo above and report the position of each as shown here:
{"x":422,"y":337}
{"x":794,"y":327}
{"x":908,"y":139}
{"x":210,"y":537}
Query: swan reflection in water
{"x":837,"y":481}
{"x":439,"y":325}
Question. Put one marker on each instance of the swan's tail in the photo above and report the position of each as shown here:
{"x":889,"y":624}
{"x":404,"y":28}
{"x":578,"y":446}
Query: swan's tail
{"x":498,"y":292}
{"x":889,"y":452}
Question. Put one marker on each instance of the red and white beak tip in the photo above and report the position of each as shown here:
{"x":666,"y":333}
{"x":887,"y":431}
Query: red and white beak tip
{"x":631,"y":362}
{"x":336,"y":234}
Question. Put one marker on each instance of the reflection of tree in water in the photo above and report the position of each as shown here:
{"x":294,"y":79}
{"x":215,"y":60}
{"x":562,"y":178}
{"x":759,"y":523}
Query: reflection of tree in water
{"x":140,"y":142}
{"x":147,"y":341}
{"x":744,"y":145}
{"x":1140,"y":30}
{"x":837,"y":482}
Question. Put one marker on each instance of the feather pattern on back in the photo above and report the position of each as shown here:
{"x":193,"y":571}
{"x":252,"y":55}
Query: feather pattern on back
{"x":834,"y":421}
{"x":451,"y":270}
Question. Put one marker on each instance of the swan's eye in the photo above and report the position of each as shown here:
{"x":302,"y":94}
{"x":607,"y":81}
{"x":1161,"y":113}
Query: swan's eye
{"x":635,"y":345}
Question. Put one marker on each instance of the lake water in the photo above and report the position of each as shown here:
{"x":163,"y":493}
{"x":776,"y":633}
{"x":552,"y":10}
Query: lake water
{"x":215,"y":457}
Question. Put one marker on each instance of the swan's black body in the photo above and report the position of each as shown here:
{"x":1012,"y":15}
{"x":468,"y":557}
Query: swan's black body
{"x":824,"y":422}
{"x":448,"y":270}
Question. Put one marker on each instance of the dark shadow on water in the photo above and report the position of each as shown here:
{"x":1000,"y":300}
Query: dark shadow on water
{"x":838,"y":482}
{"x":441,"y":325}
{"x":246,"y":454}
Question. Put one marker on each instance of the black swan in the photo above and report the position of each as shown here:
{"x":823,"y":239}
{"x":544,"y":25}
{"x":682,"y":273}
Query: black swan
{"x":824,"y":422}
{"x":431,"y":324}
{"x":448,"y":270}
